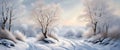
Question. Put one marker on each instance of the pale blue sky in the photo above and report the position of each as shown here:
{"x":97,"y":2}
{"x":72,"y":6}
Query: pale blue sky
{"x":72,"y":8}
{"x":69,"y":6}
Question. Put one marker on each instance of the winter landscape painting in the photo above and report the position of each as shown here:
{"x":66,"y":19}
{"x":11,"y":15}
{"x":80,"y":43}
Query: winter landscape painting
{"x":59,"y":24}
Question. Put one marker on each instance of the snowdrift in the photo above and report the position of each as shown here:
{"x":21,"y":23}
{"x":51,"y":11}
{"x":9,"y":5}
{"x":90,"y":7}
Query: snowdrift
{"x":63,"y":44}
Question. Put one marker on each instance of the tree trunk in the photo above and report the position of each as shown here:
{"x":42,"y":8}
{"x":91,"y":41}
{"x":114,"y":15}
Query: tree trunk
{"x":10,"y":19}
{"x":95,"y":28}
{"x":3,"y":26}
{"x":45,"y":35}
{"x":10,"y":27}
{"x":10,"y":24}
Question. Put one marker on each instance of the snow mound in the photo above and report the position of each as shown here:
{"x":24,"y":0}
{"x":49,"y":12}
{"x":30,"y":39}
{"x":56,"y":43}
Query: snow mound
{"x":7,"y":43}
{"x":48,"y":41}
{"x":10,"y":45}
{"x":19,"y":36}
{"x":63,"y":44}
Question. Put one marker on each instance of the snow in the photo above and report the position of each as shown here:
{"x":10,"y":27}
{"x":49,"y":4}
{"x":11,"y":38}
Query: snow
{"x":26,"y":35}
{"x":7,"y":43}
{"x":19,"y":46}
{"x":63,"y":44}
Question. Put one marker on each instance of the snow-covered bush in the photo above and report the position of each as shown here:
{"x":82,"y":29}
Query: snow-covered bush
{"x":105,"y":41}
{"x":5,"y":34}
{"x":97,"y":38}
{"x":70,"y":34}
{"x":53,"y":35}
{"x":94,"y":39}
{"x":114,"y":32}
{"x":51,"y":38}
{"x":114,"y":35}
{"x":79,"y":34}
{"x":88,"y":33}
{"x":27,"y":30}
{"x":19,"y":36}
{"x":39,"y":37}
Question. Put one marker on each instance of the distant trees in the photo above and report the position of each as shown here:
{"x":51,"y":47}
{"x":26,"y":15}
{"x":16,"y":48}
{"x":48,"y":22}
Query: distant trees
{"x":98,"y":13}
{"x":6,"y":13}
{"x":46,"y":16}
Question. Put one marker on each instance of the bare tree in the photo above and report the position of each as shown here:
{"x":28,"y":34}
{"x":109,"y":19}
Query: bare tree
{"x":97,"y":12}
{"x":46,"y":16}
{"x":6,"y":17}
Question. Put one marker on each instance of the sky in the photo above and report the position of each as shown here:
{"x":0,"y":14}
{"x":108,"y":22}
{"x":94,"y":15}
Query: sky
{"x":72,"y":9}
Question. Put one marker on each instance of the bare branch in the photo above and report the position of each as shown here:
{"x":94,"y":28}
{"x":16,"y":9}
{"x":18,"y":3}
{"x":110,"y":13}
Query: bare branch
{"x":45,"y":16}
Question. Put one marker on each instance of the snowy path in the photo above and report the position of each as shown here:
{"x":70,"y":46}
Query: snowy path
{"x":63,"y":44}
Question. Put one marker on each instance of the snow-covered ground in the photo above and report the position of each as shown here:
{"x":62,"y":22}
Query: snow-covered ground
{"x":63,"y":44}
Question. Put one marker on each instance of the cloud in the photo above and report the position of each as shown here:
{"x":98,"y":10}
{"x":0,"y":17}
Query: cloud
{"x":21,"y":1}
{"x":70,"y":17}
{"x":115,"y":6}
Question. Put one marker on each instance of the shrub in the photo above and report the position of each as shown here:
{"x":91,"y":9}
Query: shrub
{"x":19,"y":36}
{"x":5,"y":34}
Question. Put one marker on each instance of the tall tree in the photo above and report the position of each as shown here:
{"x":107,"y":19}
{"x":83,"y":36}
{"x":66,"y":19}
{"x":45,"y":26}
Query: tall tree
{"x":6,"y":13}
{"x":97,"y":12}
{"x":46,"y":16}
